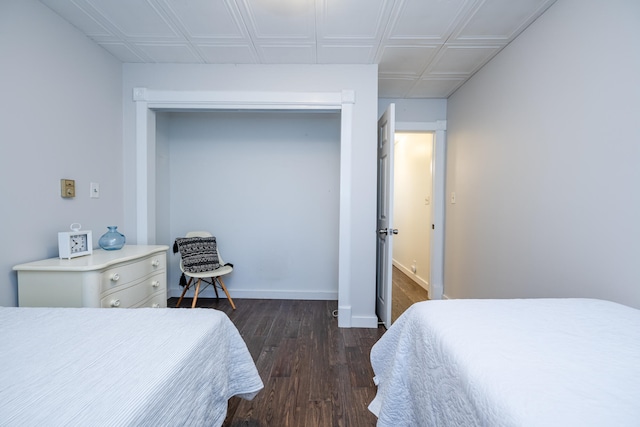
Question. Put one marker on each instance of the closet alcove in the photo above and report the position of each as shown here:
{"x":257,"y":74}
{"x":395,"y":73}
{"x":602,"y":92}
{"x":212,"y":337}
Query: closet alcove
{"x":153,"y":202}
{"x":266,"y":184}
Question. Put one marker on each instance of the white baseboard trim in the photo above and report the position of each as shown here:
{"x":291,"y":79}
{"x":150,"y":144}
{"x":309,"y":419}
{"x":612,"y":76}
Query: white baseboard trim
{"x":344,"y":316}
{"x":364,"y":322}
{"x":419,"y":280}
{"x":263,"y":294}
{"x":345,"y":319}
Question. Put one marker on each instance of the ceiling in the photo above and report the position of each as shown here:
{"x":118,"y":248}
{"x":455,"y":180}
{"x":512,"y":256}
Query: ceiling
{"x":423,"y":48}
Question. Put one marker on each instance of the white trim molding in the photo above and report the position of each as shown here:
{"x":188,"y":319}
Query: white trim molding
{"x":148,"y":101}
{"x":439,"y":128}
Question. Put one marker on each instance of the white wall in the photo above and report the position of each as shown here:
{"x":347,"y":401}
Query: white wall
{"x":544,"y":157}
{"x":267,"y":186}
{"x":362,"y":79}
{"x":411,"y":214}
{"x":60,"y":117}
{"x":415,"y":110}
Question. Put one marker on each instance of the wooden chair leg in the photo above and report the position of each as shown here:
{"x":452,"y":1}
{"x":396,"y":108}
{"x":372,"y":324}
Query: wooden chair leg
{"x":224,"y":288}
{"x":184,"y":291}
{"x":195,"y":296}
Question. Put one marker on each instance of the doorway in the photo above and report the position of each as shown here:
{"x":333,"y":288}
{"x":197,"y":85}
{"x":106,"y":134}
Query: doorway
{"x":412,"y":215}
{"x":386,"y":129}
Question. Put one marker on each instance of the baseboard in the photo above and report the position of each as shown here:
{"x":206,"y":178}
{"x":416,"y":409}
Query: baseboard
{"x":344,"y":316}
{"x":370,"y":322}
{"x":345,"y":319}
{"x":263,"y":294}
{"x":419,"y":280}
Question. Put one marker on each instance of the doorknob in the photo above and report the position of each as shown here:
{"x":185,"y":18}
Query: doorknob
{"x":388,"y":231}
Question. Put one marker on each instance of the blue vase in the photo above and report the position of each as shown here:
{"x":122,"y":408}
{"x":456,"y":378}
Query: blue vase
{"x":112,"y":240}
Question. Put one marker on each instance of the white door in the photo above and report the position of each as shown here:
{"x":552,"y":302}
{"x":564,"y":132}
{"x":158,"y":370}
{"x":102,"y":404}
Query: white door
{"x":385,"y":231}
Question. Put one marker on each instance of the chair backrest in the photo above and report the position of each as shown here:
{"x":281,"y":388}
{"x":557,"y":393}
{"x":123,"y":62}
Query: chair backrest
{"x":203,"y":234}
{"x":199,"y":234}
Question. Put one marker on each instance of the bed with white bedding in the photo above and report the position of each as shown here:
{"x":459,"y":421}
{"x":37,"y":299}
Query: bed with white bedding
{"x":529,"y":362}
{"x":124,"y":367}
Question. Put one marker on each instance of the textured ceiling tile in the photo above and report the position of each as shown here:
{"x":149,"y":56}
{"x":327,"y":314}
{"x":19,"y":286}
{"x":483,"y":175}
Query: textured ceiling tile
{"x":427,"y":19}
{"x":435,"y":88}
{"x":227,"y":54}
{"x":281,"y":19}
{"x":207,"y":19}
{"x":462,"y":59}
{"x":79,"y":18}
{"x":169,"y":53}
{"x":346,"y":54}
{"x":394,"y":88}
{"x":135,"y":18}
{"x":443,"y":42}
{"x":288,"y":54}
{"x":353,"y":19}
{"x":410,"y":60}
{"x":500,"y":19}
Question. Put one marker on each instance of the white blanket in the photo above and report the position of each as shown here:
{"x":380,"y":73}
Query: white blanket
{"x":539,"y":362}
{"x":119,"y":367}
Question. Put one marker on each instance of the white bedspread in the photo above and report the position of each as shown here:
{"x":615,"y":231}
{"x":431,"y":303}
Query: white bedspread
{"x":120,"y":367}
{"x":538,"y":362}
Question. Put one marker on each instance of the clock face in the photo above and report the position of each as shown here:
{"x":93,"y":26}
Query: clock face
{"x":74,"y":243}
{"x":78,"y":243}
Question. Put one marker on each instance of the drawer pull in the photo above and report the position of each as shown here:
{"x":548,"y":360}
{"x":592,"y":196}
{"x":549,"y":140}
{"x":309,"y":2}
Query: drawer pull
{"x":115,"y":303}
{"x":156,"y":305}
{"x":155,"y":283}
{"x":155,"y":262}
{"x":115,"y":277}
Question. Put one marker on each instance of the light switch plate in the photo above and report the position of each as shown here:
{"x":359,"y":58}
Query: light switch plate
{"x":94,"y":189}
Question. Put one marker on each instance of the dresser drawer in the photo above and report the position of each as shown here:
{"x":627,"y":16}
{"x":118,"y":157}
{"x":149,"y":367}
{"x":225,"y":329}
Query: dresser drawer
{"x":132,"y":294}
{"x":126,"y":273}
{"x":158,"y":300}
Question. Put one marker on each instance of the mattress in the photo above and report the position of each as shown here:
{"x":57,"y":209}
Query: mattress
{"x":537,"y":362}
{"x":120,"y":367}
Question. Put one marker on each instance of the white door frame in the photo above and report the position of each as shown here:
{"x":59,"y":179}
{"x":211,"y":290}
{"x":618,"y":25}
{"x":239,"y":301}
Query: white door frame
{"x":149,"y":101}
{"x":439,"y":128}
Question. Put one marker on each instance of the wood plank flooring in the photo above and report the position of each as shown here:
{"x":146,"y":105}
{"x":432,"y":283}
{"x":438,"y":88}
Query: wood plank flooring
{"x":315,"y":374}
{"x":405,"y":292}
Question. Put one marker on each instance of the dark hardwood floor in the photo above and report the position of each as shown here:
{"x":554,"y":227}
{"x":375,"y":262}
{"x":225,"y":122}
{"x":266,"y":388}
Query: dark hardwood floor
{"x":315,"y":374}
{"x":405,"y":292}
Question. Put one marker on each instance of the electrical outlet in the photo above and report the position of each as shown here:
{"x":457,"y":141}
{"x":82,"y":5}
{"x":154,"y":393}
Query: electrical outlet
{"x":67,"y":188}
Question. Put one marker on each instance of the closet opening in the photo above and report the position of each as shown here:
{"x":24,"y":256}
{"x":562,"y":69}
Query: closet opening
{"x":266,"y":184}
{"x":151,"y":103}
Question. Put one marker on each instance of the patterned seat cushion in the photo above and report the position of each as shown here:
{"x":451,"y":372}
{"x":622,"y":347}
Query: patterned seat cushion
{"x":199,"y":254}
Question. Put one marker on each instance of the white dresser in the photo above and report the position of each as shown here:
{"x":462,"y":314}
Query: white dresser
{"x":134,"y":276}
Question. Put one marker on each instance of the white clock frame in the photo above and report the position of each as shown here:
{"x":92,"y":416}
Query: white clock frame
{"x":66,"y":243}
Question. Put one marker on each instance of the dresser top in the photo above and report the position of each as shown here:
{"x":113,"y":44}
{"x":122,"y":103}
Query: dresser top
{"x":99,"y":260}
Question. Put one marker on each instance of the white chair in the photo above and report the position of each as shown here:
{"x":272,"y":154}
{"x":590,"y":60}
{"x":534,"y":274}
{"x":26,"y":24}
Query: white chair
{"x":214,"y":275}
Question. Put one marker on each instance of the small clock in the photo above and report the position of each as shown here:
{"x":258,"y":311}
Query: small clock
{"x":75,"y":243}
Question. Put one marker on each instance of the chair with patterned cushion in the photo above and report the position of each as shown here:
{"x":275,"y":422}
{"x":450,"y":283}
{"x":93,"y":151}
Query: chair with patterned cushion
{"x":200,"y":260}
